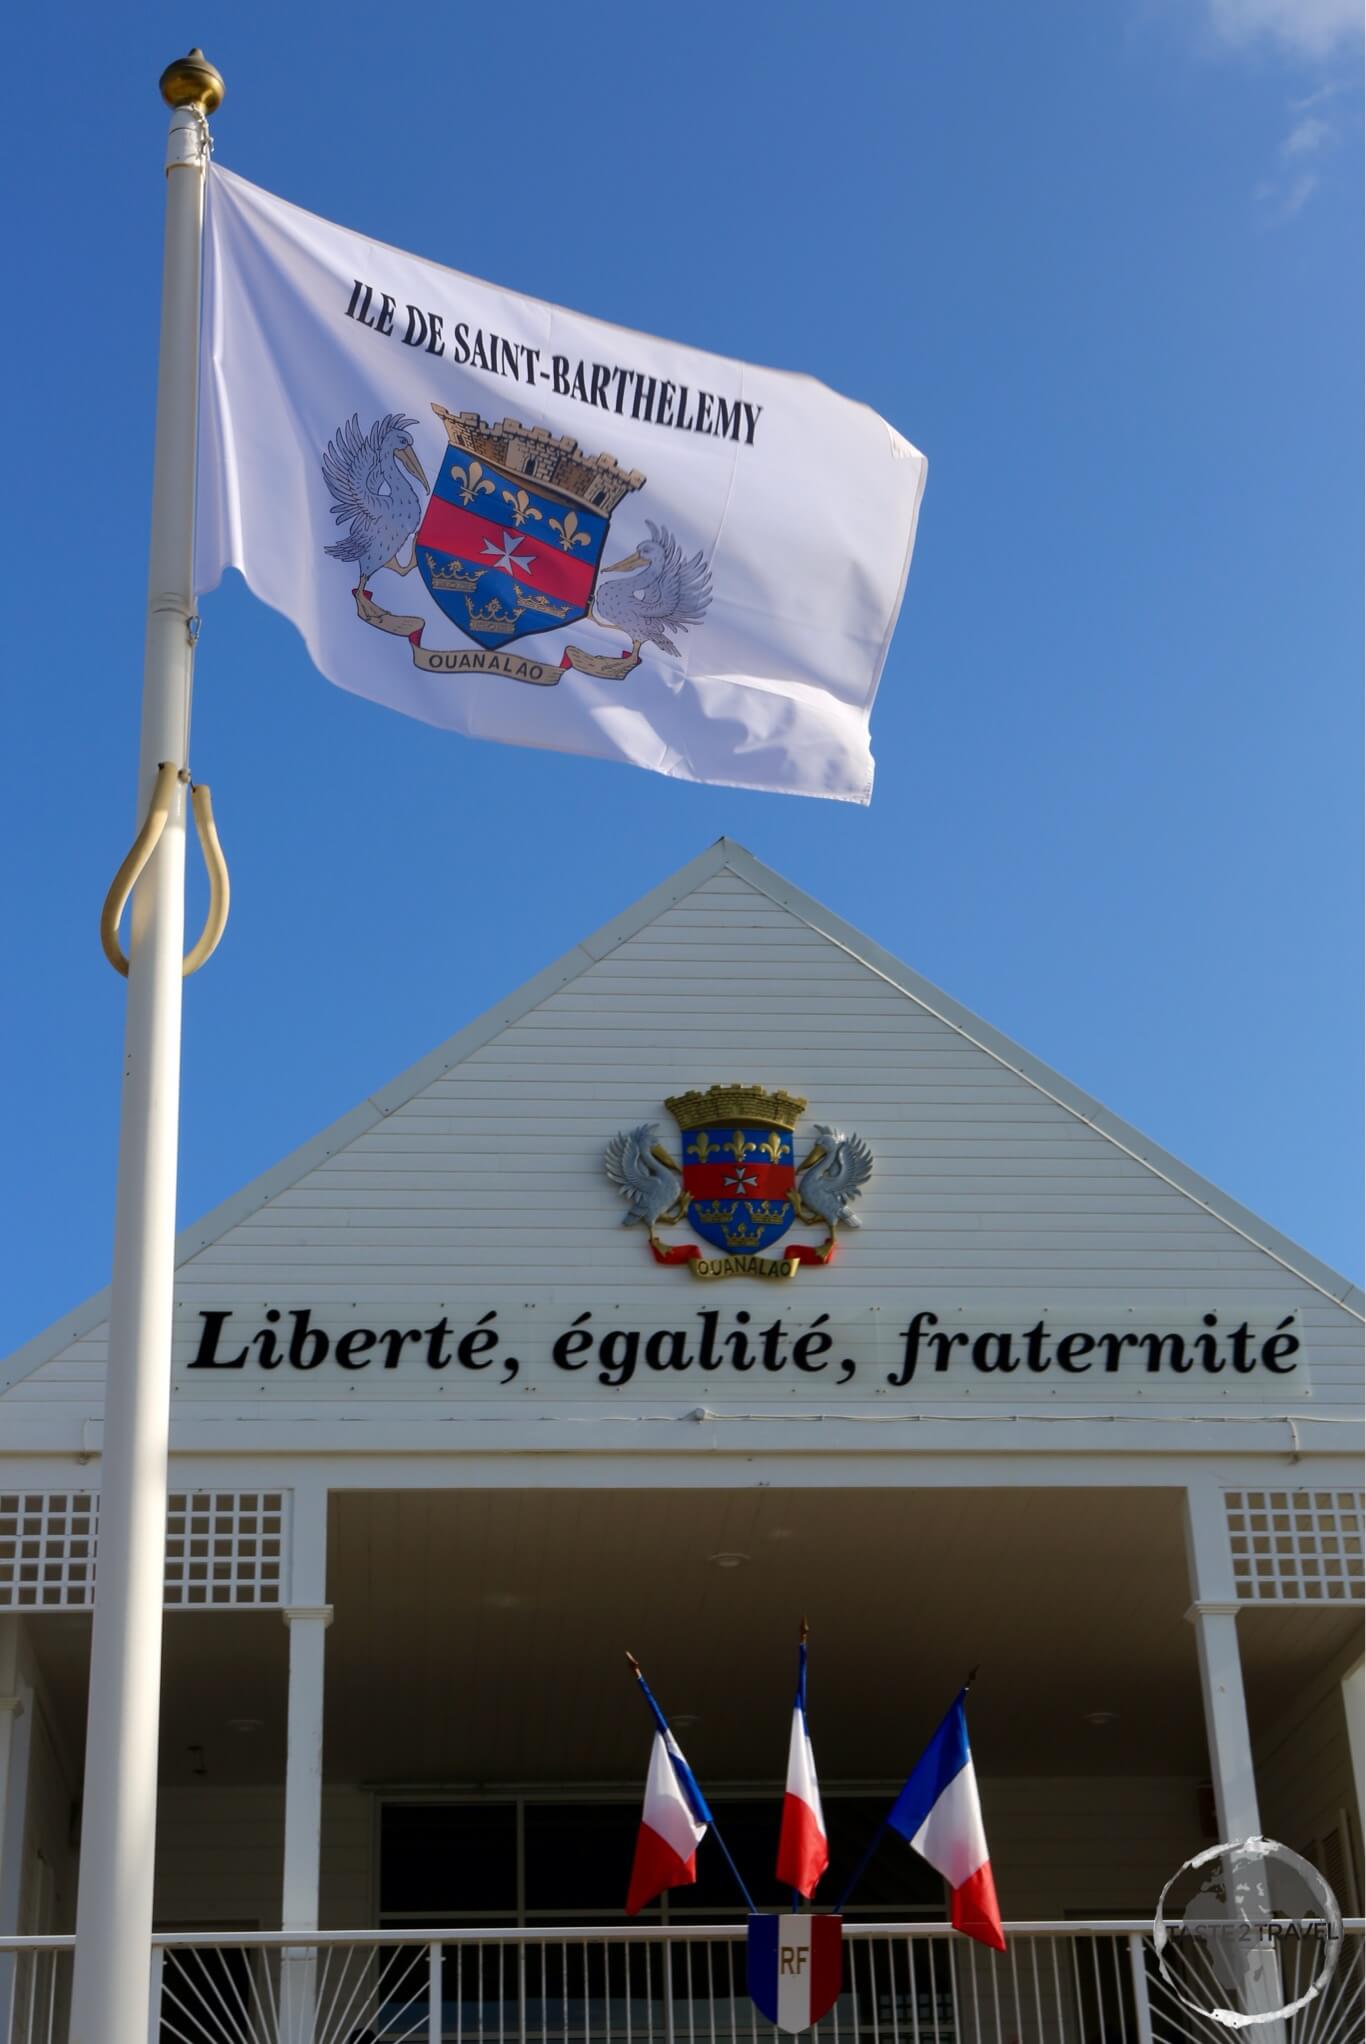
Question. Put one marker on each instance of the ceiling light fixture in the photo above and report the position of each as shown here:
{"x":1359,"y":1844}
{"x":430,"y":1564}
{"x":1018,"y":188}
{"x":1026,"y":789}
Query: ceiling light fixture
{"x":1100,"y":1717}
{"x":727,"y":1560}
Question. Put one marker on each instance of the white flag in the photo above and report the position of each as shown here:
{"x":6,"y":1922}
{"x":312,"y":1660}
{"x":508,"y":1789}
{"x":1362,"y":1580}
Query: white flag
{"x":522,"y":524}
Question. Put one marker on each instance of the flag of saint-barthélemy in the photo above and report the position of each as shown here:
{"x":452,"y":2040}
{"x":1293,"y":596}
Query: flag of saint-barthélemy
{"x":522,"y":524}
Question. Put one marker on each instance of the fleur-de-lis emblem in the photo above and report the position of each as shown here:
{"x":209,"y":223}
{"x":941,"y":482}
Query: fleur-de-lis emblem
{"x":773,"y":1148}
{"x":522,"y":507}
{"x":472,"y":480}
{"x":703,"y":1145}
{"x":570,"y":536}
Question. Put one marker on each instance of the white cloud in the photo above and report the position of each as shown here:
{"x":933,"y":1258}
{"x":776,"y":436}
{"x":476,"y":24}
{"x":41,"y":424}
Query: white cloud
{"x":1317,"y":33}
{"x":1334,"y":89}
{"x":1283,"y":198}
{"x":1299,"y":154}
{"x":1309,"y":133}
{"x":1313,"y":28}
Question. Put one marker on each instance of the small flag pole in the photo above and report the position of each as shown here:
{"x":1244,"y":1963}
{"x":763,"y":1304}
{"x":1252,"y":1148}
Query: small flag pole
{"x":664,"y":1727}
{"x":861,"y":1869}
{"x":802,"y":1638}
{"x":112,"y":1969}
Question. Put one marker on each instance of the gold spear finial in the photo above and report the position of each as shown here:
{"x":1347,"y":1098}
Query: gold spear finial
{"x":193,"y":81}
{"x":805,"y":1632}
{"x":634,"y":1663}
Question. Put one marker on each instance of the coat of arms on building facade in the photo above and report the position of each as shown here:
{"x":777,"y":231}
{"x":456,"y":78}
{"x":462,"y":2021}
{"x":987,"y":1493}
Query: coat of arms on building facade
{"x":509,"y":544}
{"x":738,"y":1184}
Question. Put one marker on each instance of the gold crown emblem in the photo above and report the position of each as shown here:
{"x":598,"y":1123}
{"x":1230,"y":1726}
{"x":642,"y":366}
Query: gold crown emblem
{"x":732,"y":1104}
{"x":741,"y":1237}
{"x":529,"y":453}
{"x":494,"y":619}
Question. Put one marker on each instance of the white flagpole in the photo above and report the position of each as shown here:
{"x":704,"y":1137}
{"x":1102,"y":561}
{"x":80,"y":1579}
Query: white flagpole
{"x":112,"y":1976}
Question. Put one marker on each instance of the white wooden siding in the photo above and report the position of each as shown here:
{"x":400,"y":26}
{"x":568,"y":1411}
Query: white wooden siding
{"x":1305,"y":1784}
{"x":220,"y":1853}
{"x":1058,"y":1846}
{"x":1074,"y":1846}
{"x":48,"y":1832}
{"x":485,"y":1186}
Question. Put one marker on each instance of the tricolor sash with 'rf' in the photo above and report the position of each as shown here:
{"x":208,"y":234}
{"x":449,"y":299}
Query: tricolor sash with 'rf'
{"x":795,"y":1967}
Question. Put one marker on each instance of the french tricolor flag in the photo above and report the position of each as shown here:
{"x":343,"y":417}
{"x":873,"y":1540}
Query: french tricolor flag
{"x":673,"y":1823}
{"x":803,"y":1853}
{"x":939,"y":1814}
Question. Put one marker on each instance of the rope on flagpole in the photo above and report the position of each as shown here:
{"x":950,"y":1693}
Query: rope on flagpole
{"x":664,"y":1727}
{"x":220,"y":888}
{"x":141,"y":850}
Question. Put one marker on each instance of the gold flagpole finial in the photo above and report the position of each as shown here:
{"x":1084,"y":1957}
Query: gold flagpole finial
{"x":805,"y":1632}
{"x":635,"y":1664}
{"x":193,"y":81}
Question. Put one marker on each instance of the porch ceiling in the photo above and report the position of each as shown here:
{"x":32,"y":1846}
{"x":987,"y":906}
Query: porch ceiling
{"x":478,"y":1638}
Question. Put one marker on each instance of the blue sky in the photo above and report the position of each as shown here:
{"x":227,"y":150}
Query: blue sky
{"x":1100,"y":259}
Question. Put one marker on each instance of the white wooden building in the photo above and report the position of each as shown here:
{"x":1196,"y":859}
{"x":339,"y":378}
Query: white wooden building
{"x":1081,"y":1419}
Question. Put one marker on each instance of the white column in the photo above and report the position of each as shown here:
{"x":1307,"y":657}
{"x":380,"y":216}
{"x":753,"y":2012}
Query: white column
{"x":1214,"y":1614}
{"x":1226,"y":1727}
{"x":308,"y":1616}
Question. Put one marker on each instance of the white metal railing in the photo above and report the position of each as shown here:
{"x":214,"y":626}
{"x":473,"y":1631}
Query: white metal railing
{"x":1056,"y":1983}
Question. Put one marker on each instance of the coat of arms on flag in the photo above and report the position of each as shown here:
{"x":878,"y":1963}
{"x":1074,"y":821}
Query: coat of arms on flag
{"x":738,"y":1184}
{"x":509,"y":544}
{"x":502,"y":559}
{"x":794,"y":1967}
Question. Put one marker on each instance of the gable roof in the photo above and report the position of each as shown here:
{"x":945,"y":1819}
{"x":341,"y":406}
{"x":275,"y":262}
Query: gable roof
{"x":724,"y":855}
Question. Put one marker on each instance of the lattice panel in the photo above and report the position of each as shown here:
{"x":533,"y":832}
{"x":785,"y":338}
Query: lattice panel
{"x":224,"y":1549}
{"x":47,"y":1549}
{"x":1297,"y":1546}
